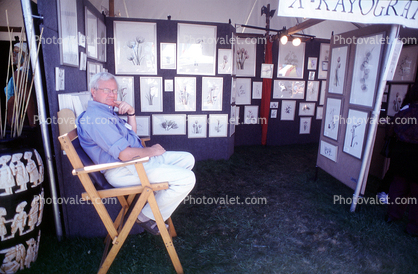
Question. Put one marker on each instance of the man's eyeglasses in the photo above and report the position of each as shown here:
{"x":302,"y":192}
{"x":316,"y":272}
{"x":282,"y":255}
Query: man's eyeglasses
{"x":108,"y":90}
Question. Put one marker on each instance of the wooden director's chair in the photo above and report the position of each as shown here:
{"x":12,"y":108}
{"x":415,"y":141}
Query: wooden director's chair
{"x":132,"y":200}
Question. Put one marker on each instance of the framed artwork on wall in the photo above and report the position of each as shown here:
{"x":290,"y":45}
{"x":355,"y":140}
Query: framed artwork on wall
{"x":251,"y":115}
{"x":185,"y":93}
{"x":168,"y":85}
{"x":328,"y":150}
{"x":365,"y":72}
{"x":243,"y":91}
{"x":168,"y":55}
{"x":312,"y":63}
{"x":68,"y":32}
{"x":306,"y":109}
{"x":101,"y":41}
{"x":257,"y":90}
{"x":286,"y":89}
{"x":305,"y":125}
{"x":225,"y":61}
{"x":126,"y":90}
{"x":332,"y":118}
{"x":197,"y":126}
{"x":169,"y":124}
{"x":291,"y":61}
{"x":212,"y":93}
{"x":233,"y":90}
{"x":245,"y":57}
{"x":135,"y":47}
{"x":196,"y":49}
{"x":355,"y":132}
{"x":312,"y":91}
{"x":337,"y":69}
{"x":143,"y":126}
{"x":396,"y":97}
{"x":406,"y":68}
{"x":267,"y":71}
{"x":218,"y":125}
{"x":288,"y":110}
{"x":232,"y":120}
{"x":151,"y":94}
{"x":323,"y":61}
{"x":273,"y":113}
{"x":91,"y":34}
{"x":322,"y":95}
{"x":319,"y":113}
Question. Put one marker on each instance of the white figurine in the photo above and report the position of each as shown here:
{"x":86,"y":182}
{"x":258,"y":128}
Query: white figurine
{"x":32,"y":169}
{"x":19,"y":171}
{"x":6,"y":176}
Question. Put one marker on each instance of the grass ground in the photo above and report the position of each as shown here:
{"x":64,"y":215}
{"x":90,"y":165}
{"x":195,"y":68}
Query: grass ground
{"x":295,"y":228}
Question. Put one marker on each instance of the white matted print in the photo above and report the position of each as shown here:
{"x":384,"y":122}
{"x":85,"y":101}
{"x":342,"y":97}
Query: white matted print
{"x":126,"y":90}
{"x":312,"y":91}
{"x":396,"y":97}
{"x":288,"y":110}
{"x":151,"y":94}
{"x":319,"y":113}
{"x":312,"y":63}
{"x":102,"y":41}
{"x":332,"y":118}
{"x":365,"y":71}
{"x":407,"y":65}
{"x":135,"y":47}
{"x":291,"y":61}
{"x":232,"y":120}
{"x":337,"y":69}
{"x":274,"y":104}
{"x":273,"y":113}
{"x":185,"y":93}
{"x":306,"y":109}
{"x":257,"y":90}
{"x":168,"y":55}
{"x":322,"y":95}
{"x":267,"y":71}
{"x":168,"y":85}
{"x":285,"y":89}
{"x":323,"y":61}
{"x":251,"y":115}
{"x":355,"y":132}
{"x":225,"y":61}
{"x":233,"y":90}
{"x":218,"y":125}
{"x":197,"y":126}
{"x":91,"y":33}
{"x":305,"y":125}
{"x":169,"y":124}
{"x":243,"y":91}
{"x":212,"y":93}
{"x":328,"y":150}
{"x":67,"y":20}
{"x":143,"y":125}
{"x":245,"y":57}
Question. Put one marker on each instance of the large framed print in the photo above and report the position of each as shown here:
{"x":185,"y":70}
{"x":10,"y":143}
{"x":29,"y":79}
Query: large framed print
{"x":68,"y":32}
{"x":197,"y":126}
{"x":101,"y":41}
{"x":243,"y":91}
{"x":135,"y":47}
{"x":196,"y":49}
{"x":291,"y":61}
{"x":169,"y":124}
{"x":218,"y":125}
{"x":406,"y":68}
{"x":396,"y":96}
{"x":285,"y":89}
{"x":91,"y":33}
{"x":212,"y":93}
{"x":185,"y":93}
{"x":288,"y":110}
{"x":151,"y":94}
{"x":355,"y":132}
{"x":225,"y":61}
{"x":323,"y":61}
{"x":168,"y":55}
{"x":245,"y":57}
{"x":365,"y":71}
{"x":332,"y":118}
{"x":126,"y":90}
{"x":337,"y":69}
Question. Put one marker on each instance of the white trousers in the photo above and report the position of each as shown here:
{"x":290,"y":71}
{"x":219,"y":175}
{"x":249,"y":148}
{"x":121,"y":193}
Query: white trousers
{"x":172,"y":167}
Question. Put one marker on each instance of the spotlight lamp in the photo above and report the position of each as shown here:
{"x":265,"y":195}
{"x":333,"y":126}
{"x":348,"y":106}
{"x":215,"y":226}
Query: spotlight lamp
{"x":283,"y":40}
{"x":296,"y":42}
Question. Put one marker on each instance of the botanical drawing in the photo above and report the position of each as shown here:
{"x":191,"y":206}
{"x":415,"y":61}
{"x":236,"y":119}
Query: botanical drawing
{"x":212,"y":91}
{"x":365,"y":69}
{"x":218,"y":125}
{"x":185,"y":94}
{"x":288,"y":110}
{"x":151,"y":94}
{"x":332,"y":115}
{"x":329,"y":151}
{"x":167,"y":125}
{"x":136,"y":54}
{"x":291,"y":61}
{"x":250,"y":114}
{"x":355,"y":132}
{"x":242,"y":56}
{"x":173,"y":124}
{"x":354,"y":135}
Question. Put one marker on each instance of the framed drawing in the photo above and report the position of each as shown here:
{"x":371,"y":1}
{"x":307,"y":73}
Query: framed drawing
{"x":101,"y":41}
{"x":169,"y":124}
{"x":273,"y":113}
{"x":91,"y":71}
{"x":311,"y":75}
{"x":168,"y":85}
{"x":168,"y":55}
{"x":312,"y":91}
{"x":233,"y":90}
{"x":322,"y":95}
{"x":291,"y":61}
{"x":328,"y":150}
{"x":232,"y":120}
{"x":143,"y":125}
{"x":285,"y":89}
{"x":218,"y":125}
{"x":355,"y":132}
{"x":288,"y":110}
{"x":406,"y":68}
{"x":151,"y":95}
{"x":243,"y":91}
{"x":306,"y":109}
{"x":225,"y":61}
{"x":135,"y":47}
{"x":91,"y":33}
{"x":365,"y":72}
{"x":312,"y":63}
{"x":274,"y":104}
{"x":68,"y":32}
{"x":337,"y":69}
{"x":196,"y":49}
{"x":245,"y":57}
{"x":212,"y":93}
{"x":396,"y":96}
{"x":323,"y":61}
{"x":267,"y":71}
{"x":126,"y":90}
{"x":305,"y":125}
{"x":197,"y":126}
{"x":332,"y":118}
{"x":257,"y":90}
{"x":319,"y":113}
{"x":185,"y":93}
{"x":251,"y":115}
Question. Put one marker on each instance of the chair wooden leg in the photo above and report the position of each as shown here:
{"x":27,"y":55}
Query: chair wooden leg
{"x":171,"y":228}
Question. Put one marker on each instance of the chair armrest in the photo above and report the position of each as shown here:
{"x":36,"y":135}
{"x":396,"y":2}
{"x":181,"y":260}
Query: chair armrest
{"x":123,"y":191}
{"x":99,"y":167}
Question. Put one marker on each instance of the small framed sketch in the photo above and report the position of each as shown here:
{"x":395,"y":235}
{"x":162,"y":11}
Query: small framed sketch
{"x":91,"y":70}
{"x":396,"y":96}
{"x":407,"y":65}
{"x":126,"y":90}
{"x":311,"y":76}
{"x":319,"y":113}
{"x":197,"y":126}
{"x":274,"y":104}
{"x":273,"y":113}
{"x":218,"y":125}
{"x":251,"y":115}
{"x":233,"y":90}
{"x":168,"y":55}
{"x":267,"y":71}
{"x":306,"y":109}
{"x":212,"y":93}
{"x":329,"y":151}
{"x":312,"y":91}
{"x":355,"y":132}
{"x":312,"y":63}
{"x":185,"y":93}
{"x":257,"y":90}
{"x":151,"y":95}
{"x":305,"y":125}
{"x":322,"y":95}
{"x":323,"y":61}
{"x":245,"y":57}
{"x":67,"y":25}
{"x":332,"y":118}
{"x":143,"y":125}
{"x":225,"y":61}
{"x":232,"y":120}
{"x":291,"y":61}
{"x":243,"y":91}
{"x":285,"y":89}
{"x":337,"y":69}
{"x":168,"y":85}
{"x":169,"y":124}
{"x":288,"y":110}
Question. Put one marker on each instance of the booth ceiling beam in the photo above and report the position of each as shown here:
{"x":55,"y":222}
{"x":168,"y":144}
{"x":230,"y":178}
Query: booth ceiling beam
{"x":304,"y":25}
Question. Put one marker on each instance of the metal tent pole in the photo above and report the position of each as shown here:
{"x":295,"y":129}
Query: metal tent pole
{"x":30,"y":36}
